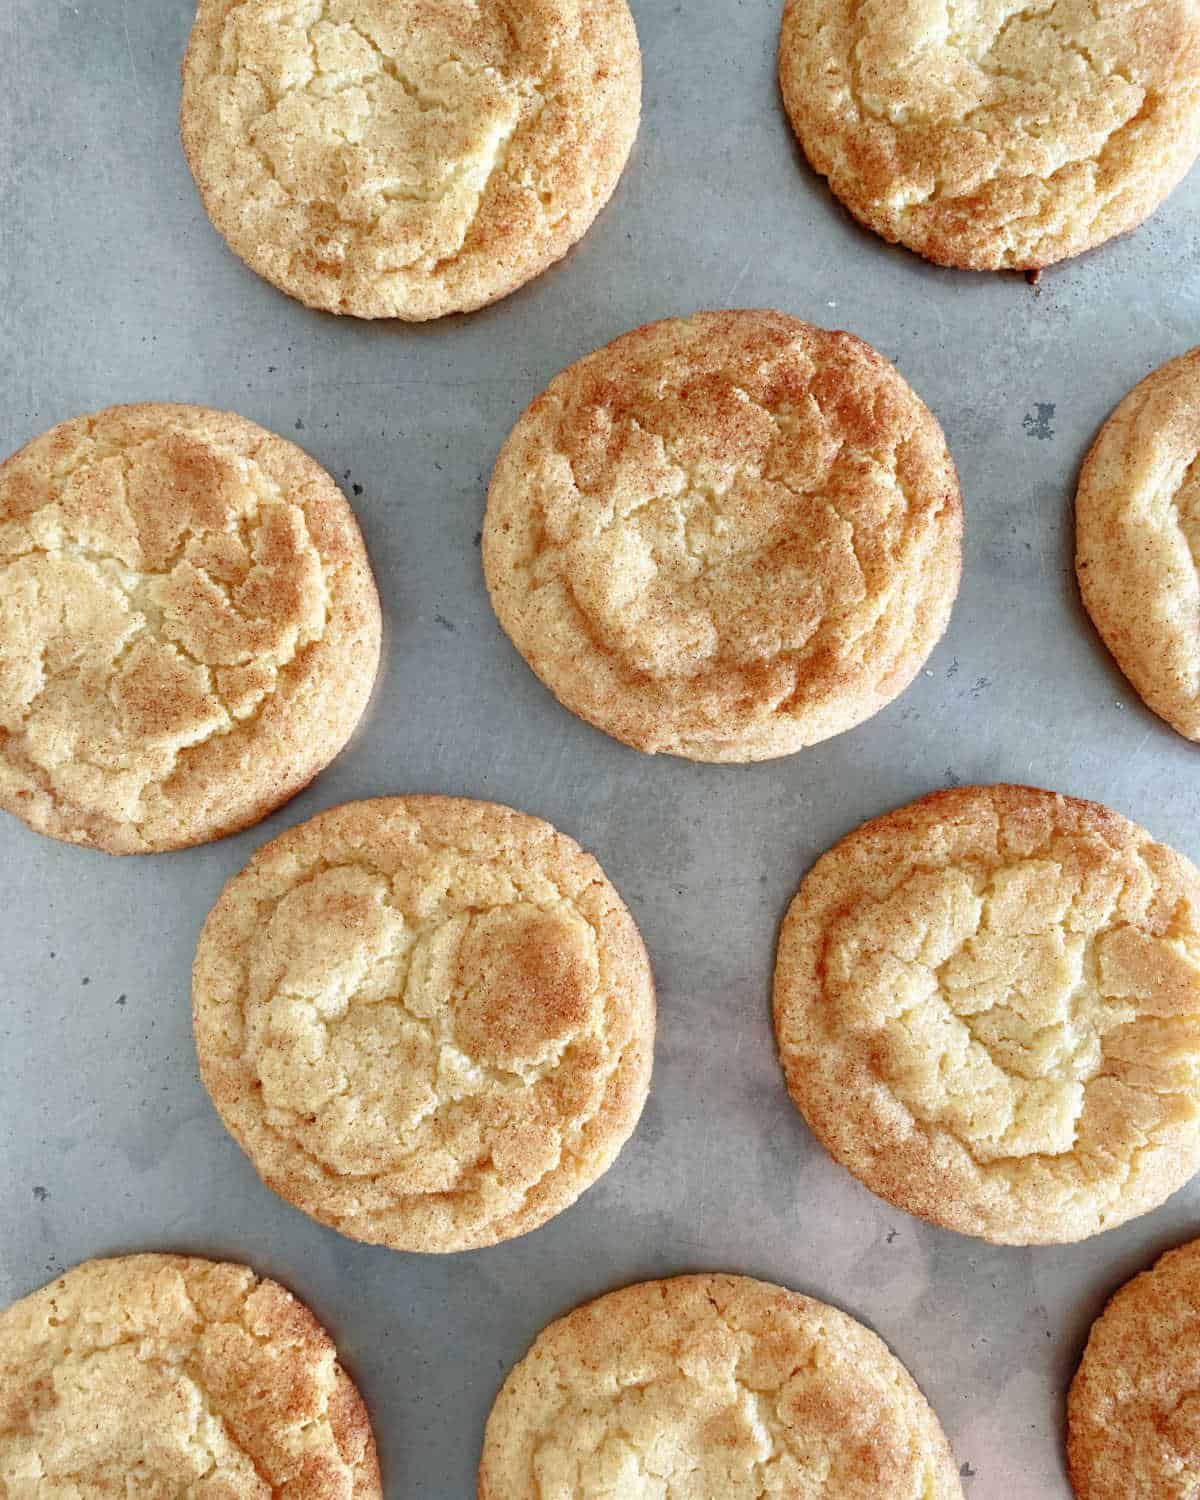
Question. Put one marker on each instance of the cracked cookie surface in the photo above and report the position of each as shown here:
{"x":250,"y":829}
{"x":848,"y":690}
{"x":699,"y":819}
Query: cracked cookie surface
{"x":988,"y":1009}
{"x":189,"y":629}
{"x":725,"y":538}
{"x":407,"y":158}
{"x":166,"y":1376}
{"x":994,"y":134}
{"x":712,"y":1385}
{"x":1137,"y":540}
{"x":1133,"y":1413}
{"x":428,"y":1021}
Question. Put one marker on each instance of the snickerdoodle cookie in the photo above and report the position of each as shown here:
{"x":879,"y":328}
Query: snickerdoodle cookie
{"x":1133,"y":1413}
{"x":408,"y":158}
{"x":727,"y":537}
{"x":1137,"y":527}
{"x":712,"y":1385}
{"x":995,"y":133}
{"x":189,"y":630}
{"x":988,"y":1009}
{"x":429,"y":1022}
{"x":160,"y":1375}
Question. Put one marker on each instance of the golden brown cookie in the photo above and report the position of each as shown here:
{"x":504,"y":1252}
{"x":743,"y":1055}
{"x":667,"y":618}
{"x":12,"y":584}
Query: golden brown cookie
{"x":189,"y":630}
{"x":994,"y":133}
{"x":408,"y":158}
{"x":429,"y":1022}
{"x":1133,"y":1414}
{"x":712,"y":1386}
{"x":725,"y":538}
{"x":988,"y":1009}
{"x":160,"y":1375}
{"x":1137,"y":539}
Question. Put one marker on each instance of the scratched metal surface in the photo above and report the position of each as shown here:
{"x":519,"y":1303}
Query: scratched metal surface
{"x":113,"y":287}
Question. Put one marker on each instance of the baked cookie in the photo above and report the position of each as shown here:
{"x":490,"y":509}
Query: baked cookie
{"x":1137,"y":539}
{"x":408,"y":158}
{"x":988,"y":1009}
{"x":189,"y":630}
{"x":429,"y":1022}
{"x":1133,"y":1413}
{"x":712,"y":1385}
{"x":725,"y":538}
{"x":994,"y":133}
{"x":160,"y":1375}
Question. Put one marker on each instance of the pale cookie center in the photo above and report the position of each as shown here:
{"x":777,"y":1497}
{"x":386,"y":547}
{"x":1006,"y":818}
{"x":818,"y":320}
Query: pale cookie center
{"x":781,"y":540}
{"x":379,"y":121}
{"x":1178,"y":608}
{"x":979,"y":90}
{"x":117,"y":1416}
{"x":378,"y":1032}
{"x":710,"y":1429}
{"x":1186,"y":504}
{"x":150,"y":602}
{"x":998,"y":1004}
{"x":958,"y":59}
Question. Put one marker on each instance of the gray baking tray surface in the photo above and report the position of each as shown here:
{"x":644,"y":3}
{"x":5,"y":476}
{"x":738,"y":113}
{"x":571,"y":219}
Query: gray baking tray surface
{"x":114,"y":288}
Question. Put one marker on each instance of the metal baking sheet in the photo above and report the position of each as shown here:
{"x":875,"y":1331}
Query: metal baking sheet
{"x":114,"y":288}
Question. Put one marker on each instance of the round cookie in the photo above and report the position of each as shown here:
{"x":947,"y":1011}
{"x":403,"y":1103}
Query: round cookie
{"x":997,"y":135}
{"x":408,"y":158}
{"x":165,"y":1375}
{"x":988,"y":1009}
{"x":725,"y":538}
{"x":712,"y":1385}
{"x":1133,"y":1412}
{"x":429,"y":1022}
{"x":189,"y":629}
{"x":1137,"y":539}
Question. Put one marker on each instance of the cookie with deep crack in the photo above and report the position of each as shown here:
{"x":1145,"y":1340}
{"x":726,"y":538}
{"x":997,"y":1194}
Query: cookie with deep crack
{"x":712,"y":1385}
{"x":988,"y":1009}
{"x":1133,"y":1413}
{"x":428,"y":1021}
{"x":408,"y":158}
{"x":995,"y":135}
{"x":167,"y":1375}
{"x":189,"y":629}
{"x":1137,"y":539}
{"x":725,"y":537}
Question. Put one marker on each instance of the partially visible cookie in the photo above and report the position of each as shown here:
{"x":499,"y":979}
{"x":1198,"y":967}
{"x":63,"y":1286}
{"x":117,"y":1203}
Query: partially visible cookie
{"x":1133,"y":1413}
{"x":712,"y":1386}
{"x":168,"y":1376}
{"x":995,"y":135}
{"x":189,"y":629}
{"x":725,"y":537}
{"x":408,"y":158}
{"x":1137,"y":539}
{"x":988,"y":1009}
{"x":429,"y":1022}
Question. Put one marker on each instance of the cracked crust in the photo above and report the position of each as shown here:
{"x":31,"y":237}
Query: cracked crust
{"x":1133,"y":1413}
{"x":189,"y":629}
{"x":725,"y":538}
{"x":166,"y":1375}
{"x":995,"y":133}
{"x":1137,"y":538}
{"x":429,"y":1022}
{"x":712,"y":1385}
{"x":988,"y":1009}
{"x":408,"y":158}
